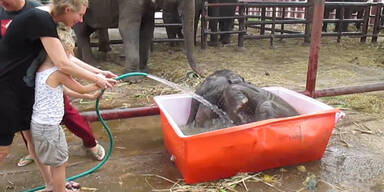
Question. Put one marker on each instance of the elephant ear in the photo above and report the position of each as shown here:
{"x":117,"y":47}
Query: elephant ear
{"x":102,"y":14}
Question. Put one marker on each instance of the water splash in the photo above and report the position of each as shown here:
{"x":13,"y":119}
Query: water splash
{"x":191,"y":92}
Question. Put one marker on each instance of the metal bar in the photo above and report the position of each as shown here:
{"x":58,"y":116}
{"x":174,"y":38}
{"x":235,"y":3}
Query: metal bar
{"x":260,"y":4}
{"x":112,"y":114}
{"x":296,"y":21}
{"x":225,"y":32}
{"x":278,"y":30}
{"x":167,"y":40}
{"x":314,"y":47}
{"x":343,"y":21}
{"x":349,"y":90}
{"x":168,"y":25}
{"x":225,"y":17}
{"x":267,"y":36}
{"x":328,"y":34}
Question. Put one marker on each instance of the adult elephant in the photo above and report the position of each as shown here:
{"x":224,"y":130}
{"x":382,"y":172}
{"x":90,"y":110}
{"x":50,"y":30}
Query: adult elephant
{"x":221,"y":24}
{"x":135,"y":20}
{"x":173,"y":14}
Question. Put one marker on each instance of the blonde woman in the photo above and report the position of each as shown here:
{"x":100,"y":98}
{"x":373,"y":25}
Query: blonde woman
{"x":27,"y":36}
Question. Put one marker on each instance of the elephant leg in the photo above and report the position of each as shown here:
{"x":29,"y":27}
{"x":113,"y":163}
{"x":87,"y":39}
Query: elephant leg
{"x":196,"y":24}
{"x":104,"y":40}
{"x":146,"y":36}
{"x":338,"y":16}
{"x":130,"y":32}
{"x":213,"y":12}
{"x":360,"y":15}
{"x":198,"y":10}
{"x":169,"y":17}
{"x":84,"y":52}
{"x":226,"y":24}
{"x":327,"y":12}
{"x":347,"y":15}
{"x":179,"y":29}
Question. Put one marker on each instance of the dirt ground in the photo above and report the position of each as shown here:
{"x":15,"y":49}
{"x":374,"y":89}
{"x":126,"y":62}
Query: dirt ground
{"x":353,"y":161}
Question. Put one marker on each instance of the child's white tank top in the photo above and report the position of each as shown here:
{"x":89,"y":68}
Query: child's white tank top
{"x":49,"y":102}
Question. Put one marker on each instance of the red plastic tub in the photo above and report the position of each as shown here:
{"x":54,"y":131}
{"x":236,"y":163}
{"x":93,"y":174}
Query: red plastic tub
{"x":250,"y":147}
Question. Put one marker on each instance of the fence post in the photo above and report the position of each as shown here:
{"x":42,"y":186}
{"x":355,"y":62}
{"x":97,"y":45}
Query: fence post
{"x":367,"y":11}
{"x":204,"y":25}
{"x":376,"y":25}
{"x":263,"y":12}
{"x":340,"y":23}
{"x":308,"y":20}
{"x":273,"y":25}
{"x":241,"y":21}
{"x":282,"y":25}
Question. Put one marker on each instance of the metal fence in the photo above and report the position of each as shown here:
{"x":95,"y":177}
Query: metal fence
{"x":272,"y":18}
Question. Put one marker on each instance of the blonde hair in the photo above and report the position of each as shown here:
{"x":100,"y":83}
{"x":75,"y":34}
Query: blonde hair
{"x":60,"y":5}
{"x":66,"y":37}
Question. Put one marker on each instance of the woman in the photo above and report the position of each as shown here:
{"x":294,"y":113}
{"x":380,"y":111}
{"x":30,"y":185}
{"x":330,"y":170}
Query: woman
{"x":27,"y":35}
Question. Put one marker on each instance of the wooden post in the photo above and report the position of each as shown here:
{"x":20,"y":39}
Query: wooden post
{"x":273,"y":25}
{"x":376,"y":25}
{"x":314,"y":47}
{"x":282,"y":25}
{"x":241,"y":21}
{"x":308,"y":18}
{"x":263,"y":12}
{"x":367,"y":11}
{"x":341,"y":24}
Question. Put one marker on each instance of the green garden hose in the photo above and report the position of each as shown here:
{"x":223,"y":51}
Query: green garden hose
{"x":106,"y":127}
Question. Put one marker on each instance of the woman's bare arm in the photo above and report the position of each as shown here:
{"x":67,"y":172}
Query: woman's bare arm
{"x":58,"y":56}
{"x":91,"y":68}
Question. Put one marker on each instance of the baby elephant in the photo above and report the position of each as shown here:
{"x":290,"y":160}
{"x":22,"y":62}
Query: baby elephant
{"x":242,"y":101}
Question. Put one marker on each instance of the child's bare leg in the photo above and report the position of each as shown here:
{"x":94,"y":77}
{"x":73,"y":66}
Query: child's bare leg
{"x":59,"y":177}
{"x":44,"y":169}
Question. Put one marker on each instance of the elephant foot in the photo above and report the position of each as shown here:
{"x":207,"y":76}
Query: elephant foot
{"x":241,"y":49}
{"x":106,"y":48}
{"x":213,"y":43}
{"x":225,"y":41}
{"x":144,"y":70}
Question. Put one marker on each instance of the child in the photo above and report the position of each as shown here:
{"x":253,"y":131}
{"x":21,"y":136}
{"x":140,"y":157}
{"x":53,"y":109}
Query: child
{"x":48,"y":110}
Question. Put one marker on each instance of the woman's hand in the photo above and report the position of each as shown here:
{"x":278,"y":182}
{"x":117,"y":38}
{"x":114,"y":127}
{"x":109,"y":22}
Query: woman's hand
{"x":104,"y":82}
{"x":108,"y":74}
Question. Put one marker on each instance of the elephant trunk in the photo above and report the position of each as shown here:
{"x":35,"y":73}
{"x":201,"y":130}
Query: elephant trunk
{"x":188,"y":25}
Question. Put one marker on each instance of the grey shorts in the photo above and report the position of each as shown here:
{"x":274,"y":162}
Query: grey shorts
{"x":50,"y":144}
